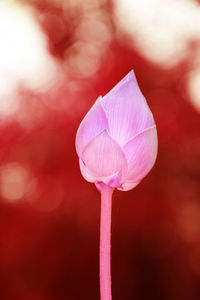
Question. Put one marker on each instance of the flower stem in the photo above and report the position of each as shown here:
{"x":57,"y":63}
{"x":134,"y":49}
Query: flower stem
{"x":105,"y":243}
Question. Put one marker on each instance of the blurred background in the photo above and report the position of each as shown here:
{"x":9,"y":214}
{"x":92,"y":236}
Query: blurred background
{"x":56,"y":58}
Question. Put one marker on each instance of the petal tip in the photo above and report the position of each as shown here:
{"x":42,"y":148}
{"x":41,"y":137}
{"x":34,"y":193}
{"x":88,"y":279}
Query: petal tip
{"x":131,"y":76}
{"x":103,"y":156}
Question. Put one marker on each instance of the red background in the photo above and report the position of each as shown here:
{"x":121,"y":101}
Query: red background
{"x":49,"y":239}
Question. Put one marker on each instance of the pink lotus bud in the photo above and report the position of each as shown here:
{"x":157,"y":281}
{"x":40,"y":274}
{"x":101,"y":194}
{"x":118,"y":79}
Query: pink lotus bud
{"x":117,"y":140}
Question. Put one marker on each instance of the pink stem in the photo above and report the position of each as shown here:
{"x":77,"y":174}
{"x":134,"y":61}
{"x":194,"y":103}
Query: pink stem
{"x":105,"y":243}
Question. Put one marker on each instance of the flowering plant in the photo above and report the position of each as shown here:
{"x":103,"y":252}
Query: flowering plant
{"x":117,"y":146}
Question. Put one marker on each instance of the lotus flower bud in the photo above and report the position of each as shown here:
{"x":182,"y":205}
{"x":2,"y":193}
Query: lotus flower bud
{"x":117,"y":140}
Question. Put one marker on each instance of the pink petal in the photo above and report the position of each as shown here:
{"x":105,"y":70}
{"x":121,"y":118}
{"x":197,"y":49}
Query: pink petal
{"x":104,"y":157}
{"x":141,"y":153}
{"x":126,"y":110}
{"x":85,"y":172}
{"x":93,"y":123}
{"x":113,"y":180}
{"x":129,"y":76}
{"x":127,"y":186}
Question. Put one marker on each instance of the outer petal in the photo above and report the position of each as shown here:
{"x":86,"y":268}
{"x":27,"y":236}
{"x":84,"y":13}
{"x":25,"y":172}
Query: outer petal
{"x":93,"y":123}
{"x":113,"y":180}
{"x":129,"y":76}
{"x":141,"y":153}
{"x":126,"y":110}
{"x":127,"y":186}
{"x":104,"y":157}
{"x":85,"y":172}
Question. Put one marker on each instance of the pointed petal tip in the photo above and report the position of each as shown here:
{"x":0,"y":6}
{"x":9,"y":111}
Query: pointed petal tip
{"x":103,"y":156}
{"x":126,"y":110}
{"x":128,"y":77}
{"x":131,"y":75}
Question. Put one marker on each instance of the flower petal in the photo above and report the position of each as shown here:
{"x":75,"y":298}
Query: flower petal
{"x":127,"y":186}
{"x":141,"y":153}
{"x":113,"y":180}
{"x":126,"y":110}
{"x":129,"y":76}
{"x":85,"y":172}
{"x":104,"y":157}
{"x":93,"y":123}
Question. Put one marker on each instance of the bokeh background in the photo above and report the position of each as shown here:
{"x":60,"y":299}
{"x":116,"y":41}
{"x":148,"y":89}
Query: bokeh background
{"x":56,"y":58}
